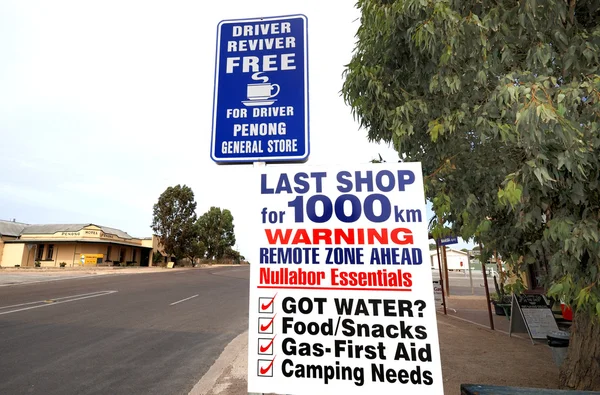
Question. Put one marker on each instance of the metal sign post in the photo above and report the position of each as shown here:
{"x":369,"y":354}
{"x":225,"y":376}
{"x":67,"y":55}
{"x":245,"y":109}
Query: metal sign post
{"x":470,"y":273}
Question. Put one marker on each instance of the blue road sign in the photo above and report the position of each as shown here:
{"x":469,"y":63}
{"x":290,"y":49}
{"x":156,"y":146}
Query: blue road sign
{"x":448,"y":240}
{"x":260,"y":109}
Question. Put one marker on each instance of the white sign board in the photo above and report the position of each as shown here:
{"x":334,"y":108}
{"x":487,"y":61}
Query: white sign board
{"x":340,"y":289}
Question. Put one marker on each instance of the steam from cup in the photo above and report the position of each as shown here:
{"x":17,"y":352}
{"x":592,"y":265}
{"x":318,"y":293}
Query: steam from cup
{"x":258,"y":77}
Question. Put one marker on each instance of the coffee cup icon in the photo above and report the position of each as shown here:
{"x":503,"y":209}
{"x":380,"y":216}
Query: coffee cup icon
{"x":262,"y":91}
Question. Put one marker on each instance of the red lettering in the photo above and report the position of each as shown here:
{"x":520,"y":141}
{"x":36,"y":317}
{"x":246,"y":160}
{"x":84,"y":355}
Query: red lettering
{"x":407,"y":239}
{"x":372,"y":234}
{"x":400,"y":236}
{"x":322,"y":234}
{"x":278,"y":236}
{"x":301,"y":237}
{"x":407,"y":280}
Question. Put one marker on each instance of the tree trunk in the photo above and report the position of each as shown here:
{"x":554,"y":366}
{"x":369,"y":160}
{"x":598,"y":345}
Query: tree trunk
{"x":581,"y":368}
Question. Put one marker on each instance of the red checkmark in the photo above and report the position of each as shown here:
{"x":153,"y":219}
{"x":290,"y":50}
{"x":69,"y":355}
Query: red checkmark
{"x":266,"y":306}
{"x":265,"y":370}
{"x":264,"y":349}
{"x":266,"y":327}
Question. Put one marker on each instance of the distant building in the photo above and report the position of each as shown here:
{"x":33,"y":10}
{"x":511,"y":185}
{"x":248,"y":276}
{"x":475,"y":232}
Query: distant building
{"x":74,"y":244}
{"x":457,"y":260}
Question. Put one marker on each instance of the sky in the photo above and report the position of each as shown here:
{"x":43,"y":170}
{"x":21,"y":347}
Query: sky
{"x":103,"y":105}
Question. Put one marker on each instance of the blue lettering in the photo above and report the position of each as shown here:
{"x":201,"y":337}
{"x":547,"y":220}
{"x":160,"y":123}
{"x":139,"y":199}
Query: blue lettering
{"x":263,"y":186}
{"x":300,"y":179}
{"x":386,"y":207}
{"x":346,"y":185}
{"x":284,"y":184}
{"x":355,"y":208}
{"x":405,"y":177}
{"x":289,"y":255}
{"x":396,"y":256}
{"x":389,"y":185}
{"x":368,"y":180}
{"x":319,"y":179}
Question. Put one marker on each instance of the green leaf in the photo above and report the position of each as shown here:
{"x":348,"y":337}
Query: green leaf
{"x":435,"y":131}
{"x":555,"y":289}
{"x":598,"y":309}
{"x":561,"y":160}
{"x":538,"y":174}
{"x":481,"y":77}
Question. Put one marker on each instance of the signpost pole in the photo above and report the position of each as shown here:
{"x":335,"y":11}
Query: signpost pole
{"x":437,"y":245}
{"x":446,"y":272}
{"x":487,"y":290}
{"x":470,"y":273}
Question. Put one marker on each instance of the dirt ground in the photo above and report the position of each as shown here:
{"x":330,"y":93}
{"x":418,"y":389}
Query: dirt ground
{"x":475,"y":355}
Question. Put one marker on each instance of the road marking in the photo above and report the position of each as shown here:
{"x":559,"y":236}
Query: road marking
{"x":183,"y":300}
{"x":64,"y":299}
{"x":54,"y":279}
{"x":55,"y":299}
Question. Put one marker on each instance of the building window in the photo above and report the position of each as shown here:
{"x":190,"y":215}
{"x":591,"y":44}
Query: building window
{"x":122,"y":255}
{"x":108,"y":252}
{"x":40,"y":252}
{"x":50,"y":252}
{"x":134,"y":255}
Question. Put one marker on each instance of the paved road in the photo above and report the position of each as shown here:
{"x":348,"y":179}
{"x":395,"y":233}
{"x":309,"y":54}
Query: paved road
{"x":78,"y":337}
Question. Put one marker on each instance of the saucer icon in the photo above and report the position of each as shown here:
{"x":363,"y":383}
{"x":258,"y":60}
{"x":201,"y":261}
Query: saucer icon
{"x":253,"y":103}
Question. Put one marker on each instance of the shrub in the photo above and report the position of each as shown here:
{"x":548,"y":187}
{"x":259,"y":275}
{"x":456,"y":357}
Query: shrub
{"x":38,"y":264}
{"x":63,"y":264}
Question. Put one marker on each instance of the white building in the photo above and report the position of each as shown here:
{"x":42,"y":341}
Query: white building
{"x":457,"y":260}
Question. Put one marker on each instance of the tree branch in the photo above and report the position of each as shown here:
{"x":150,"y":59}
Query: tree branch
{"x":572,"y":4}
{"x":446,"y":162}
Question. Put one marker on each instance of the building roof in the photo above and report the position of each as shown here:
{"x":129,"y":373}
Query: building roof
{"x":53,"y":228}
{"x":10,"y":228}
{"x":88,"y":241}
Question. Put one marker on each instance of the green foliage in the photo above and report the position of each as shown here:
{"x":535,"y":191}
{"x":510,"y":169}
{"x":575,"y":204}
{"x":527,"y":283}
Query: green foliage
{"x":216,"y":232}
{"x":500,"y":102}
{"x":232,"y":254}
{"x":197,"y":248}
{"x":174,"y":220}
{"x":157,"y":257}
{"x":63,"y":264}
